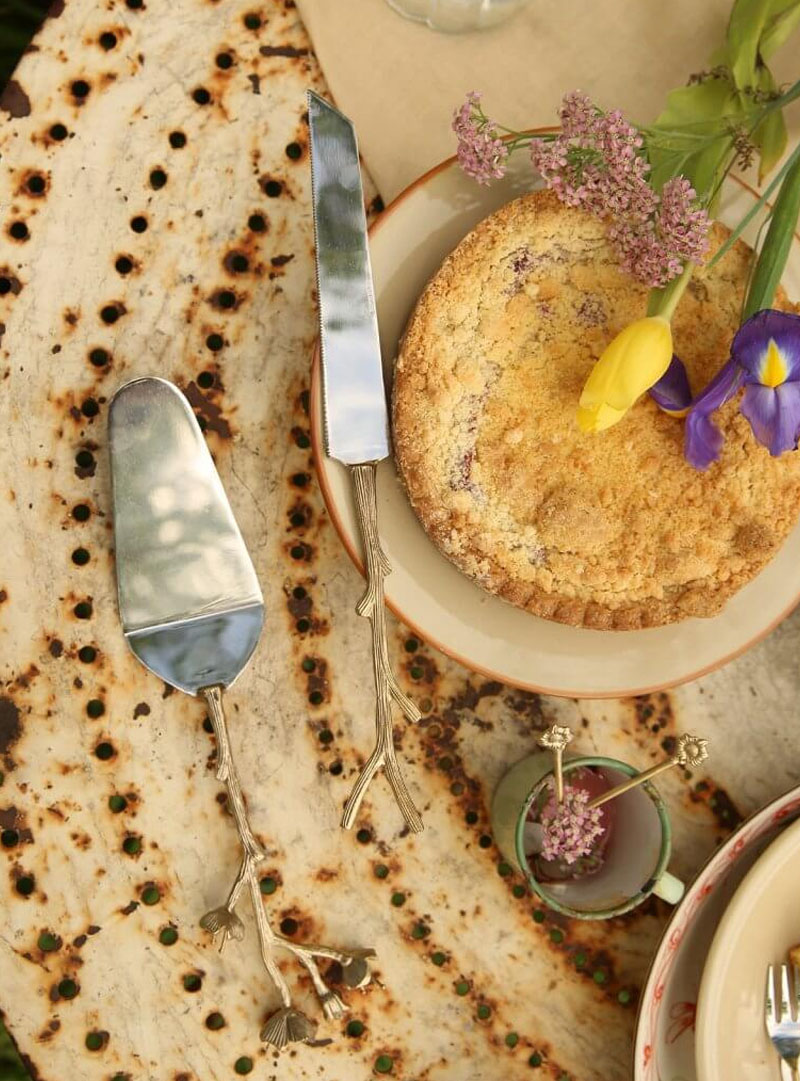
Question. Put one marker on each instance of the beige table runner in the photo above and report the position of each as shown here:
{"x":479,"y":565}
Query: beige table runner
{"x":399,"y":81}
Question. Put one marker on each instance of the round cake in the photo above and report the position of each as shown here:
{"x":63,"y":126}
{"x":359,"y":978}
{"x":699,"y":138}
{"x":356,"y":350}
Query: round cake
{"x":613,"y":530}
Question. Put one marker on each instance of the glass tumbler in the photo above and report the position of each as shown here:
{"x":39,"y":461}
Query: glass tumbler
{"x":457,"y":15}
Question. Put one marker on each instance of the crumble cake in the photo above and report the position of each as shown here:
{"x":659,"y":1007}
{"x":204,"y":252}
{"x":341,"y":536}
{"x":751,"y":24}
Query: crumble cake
{"x":613,"y":530}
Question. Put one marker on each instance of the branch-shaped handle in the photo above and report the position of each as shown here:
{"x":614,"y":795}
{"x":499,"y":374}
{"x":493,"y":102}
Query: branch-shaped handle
{"x":371,"y":607}
{"x":288,"y":1025}
{"x":226,"y":771}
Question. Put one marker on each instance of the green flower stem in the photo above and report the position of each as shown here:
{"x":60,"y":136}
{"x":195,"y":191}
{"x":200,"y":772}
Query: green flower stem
{"x":664,"y":301}
{"x":774,"y":252}
{"x":790,"y":162}
{"x":785,"y":98}
{"x":516,"y":140}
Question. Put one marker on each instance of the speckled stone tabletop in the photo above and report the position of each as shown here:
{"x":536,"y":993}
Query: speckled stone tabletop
{"x":155,"y":219}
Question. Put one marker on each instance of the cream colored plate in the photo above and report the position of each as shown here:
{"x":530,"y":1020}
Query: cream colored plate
{"x":761,"y":923}
{"x":408,"y":243}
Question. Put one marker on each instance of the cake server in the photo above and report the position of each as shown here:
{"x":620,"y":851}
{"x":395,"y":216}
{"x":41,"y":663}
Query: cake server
{"x":192,"y":612}
{"x":356,"y":419}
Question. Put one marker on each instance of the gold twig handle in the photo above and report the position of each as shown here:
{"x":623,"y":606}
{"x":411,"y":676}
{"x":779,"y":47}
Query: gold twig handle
{"x":371,"y":607}
{"x":288,"y":1024}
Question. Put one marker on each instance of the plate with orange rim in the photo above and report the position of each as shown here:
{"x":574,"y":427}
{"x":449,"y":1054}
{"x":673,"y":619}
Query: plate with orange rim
{"x":408,"y":242}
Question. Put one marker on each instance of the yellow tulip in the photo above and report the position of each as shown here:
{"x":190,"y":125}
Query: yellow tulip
{"x":629,"y":366}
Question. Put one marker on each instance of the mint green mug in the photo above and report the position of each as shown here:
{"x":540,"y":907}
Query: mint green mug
{"x":638,"y":851}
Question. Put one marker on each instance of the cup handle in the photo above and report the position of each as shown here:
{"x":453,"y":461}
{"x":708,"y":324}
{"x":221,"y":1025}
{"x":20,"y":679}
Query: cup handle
{"x":669,"y":888}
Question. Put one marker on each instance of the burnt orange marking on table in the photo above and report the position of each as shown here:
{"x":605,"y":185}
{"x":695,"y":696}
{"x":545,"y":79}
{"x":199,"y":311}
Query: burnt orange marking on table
{"x":290,"y":51}
{"x":213,"y":419}
{"x":720,"y":804}
{"x":10,"y":729}
{"x":14,"y":100}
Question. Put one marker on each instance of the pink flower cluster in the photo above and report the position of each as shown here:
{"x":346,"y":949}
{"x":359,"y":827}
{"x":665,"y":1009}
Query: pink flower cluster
{"x":481,"y":153}
{"x":654,"y":249}
{"x":569,"y":829}
{"x":596,"y":164}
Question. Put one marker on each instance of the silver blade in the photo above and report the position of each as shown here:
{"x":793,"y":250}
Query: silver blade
{"x":353,"y":394}
{"x":189,"y":599}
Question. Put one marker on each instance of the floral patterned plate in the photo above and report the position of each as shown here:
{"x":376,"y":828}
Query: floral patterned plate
{"x":664,"y":1045}
{"x":761,"y":924}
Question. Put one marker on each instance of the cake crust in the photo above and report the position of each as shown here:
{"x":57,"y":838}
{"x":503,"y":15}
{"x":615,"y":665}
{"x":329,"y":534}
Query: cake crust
{"x":612,"y":530}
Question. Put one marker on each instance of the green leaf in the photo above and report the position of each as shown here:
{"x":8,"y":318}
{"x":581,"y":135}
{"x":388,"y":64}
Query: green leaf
{"x":756,"y":29}
{"x":698,"y":104}
{"x":692,"y":107}
{"x":774,"y":253}
{"x":781,"y":27}
{"x":770,"y":136}
{"x":746,"y":25}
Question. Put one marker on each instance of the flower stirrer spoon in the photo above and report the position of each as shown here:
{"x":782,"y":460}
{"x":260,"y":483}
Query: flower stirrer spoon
{"x":555,"y":739}
{"x":689,"y":751}
{"x":192,"y":612}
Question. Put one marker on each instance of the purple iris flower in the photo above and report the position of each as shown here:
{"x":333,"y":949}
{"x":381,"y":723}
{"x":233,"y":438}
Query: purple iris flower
{"x":672,"y":392}
{"x":703,"y":439}
{"x":765,"y":360}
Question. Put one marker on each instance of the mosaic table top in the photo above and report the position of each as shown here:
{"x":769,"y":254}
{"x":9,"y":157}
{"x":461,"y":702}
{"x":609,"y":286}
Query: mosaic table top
{"x":156,"y":220}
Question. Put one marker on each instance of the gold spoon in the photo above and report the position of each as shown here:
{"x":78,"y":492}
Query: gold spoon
{"x":555,"y":739}
{"x":690,"y":751}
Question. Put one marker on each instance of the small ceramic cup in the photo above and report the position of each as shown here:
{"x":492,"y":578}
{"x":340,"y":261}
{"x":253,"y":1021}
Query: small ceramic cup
{"x":635,"y":861}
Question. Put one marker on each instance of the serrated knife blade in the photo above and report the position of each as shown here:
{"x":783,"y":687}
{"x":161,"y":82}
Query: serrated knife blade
{"x":356,"y":418}
{"x":355,"y":414}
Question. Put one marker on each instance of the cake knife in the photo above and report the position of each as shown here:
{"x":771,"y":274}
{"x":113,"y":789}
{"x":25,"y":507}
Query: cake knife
{"x":355,"y":415}
{"x":192,"y":612}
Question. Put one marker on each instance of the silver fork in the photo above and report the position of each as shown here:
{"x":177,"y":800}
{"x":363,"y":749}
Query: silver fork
{"x":782,"y":1029}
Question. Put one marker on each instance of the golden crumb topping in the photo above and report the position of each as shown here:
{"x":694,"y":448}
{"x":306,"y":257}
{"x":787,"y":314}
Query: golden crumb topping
{"x":609,"y":530}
